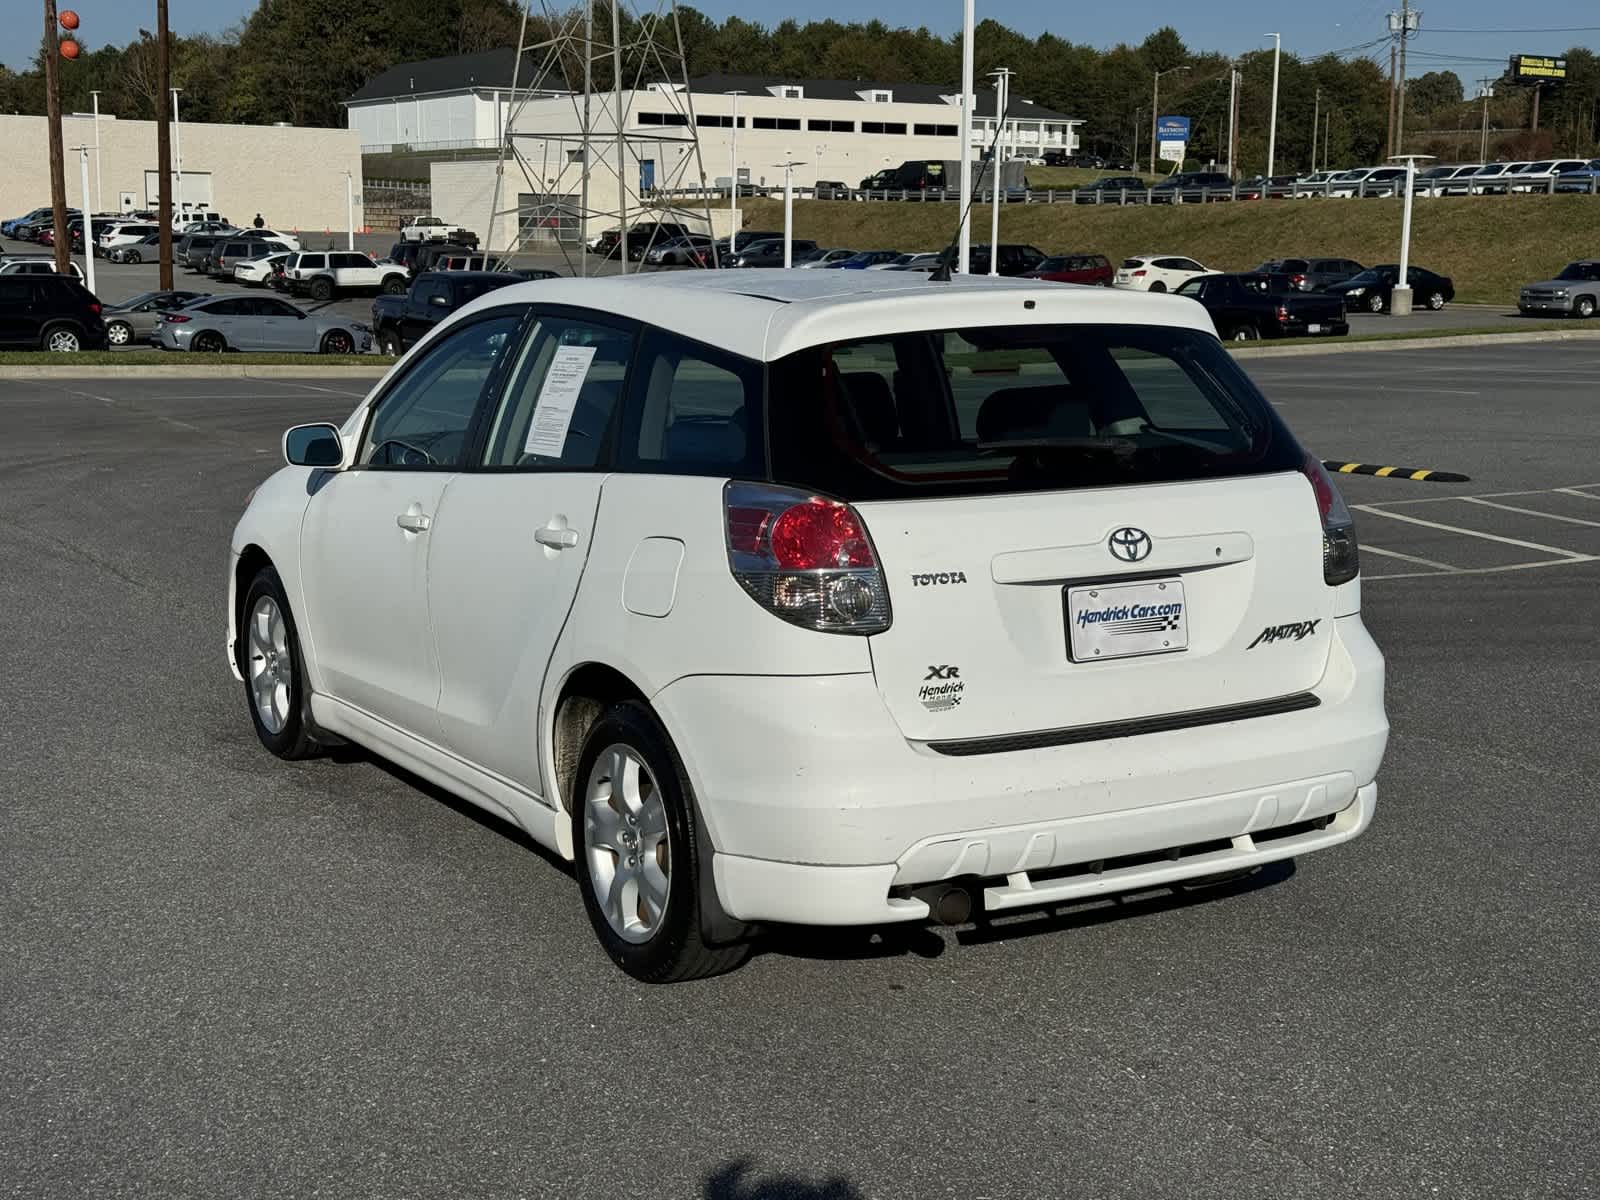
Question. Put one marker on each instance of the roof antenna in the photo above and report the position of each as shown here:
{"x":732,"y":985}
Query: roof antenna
{"x":947,"y":256}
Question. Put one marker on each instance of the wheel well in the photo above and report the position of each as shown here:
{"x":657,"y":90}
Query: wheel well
{"x":584,"y":696}
{"x":251,"y":560}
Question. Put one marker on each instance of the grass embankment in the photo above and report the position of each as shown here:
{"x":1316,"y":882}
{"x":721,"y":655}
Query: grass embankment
{"x":124,"y":358}
{"x":1490,"y":245}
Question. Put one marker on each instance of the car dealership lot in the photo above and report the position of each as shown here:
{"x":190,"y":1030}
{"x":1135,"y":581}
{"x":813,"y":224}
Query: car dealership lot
{"x":223,"y":974}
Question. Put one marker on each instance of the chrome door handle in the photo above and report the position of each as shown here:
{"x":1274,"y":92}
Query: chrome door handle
{"x":414,"y":522}
{"x":557,"y":538}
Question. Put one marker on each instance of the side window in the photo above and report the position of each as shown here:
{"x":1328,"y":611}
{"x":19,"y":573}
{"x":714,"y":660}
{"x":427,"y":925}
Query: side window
{"x":225,"y":308}
{"x":425,"y":419}
{"x":693,"y":410}
{"x":558,"y":407}
{"x":15,"y":292}
{"x":312,"y":261}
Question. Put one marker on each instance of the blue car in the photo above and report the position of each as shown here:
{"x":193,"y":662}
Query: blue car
{"x":1580,"y":180}
{"x":863,"y":260}
{"x":9,"y":228}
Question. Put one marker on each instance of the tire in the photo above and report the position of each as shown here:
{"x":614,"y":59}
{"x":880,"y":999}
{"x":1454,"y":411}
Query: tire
{"x":1584,"y":309}
{"x":119,"y":333}
{"x":1375,"y":303}
{"x":389,"y":343}
{"x":651,"y":866}
{"x":1158,"y":286}
{"x":394,"y":285}
{"x":322,"y":289}
{"x":337,"y":341}
{"x":61,"y":339}
{"x":1435,"y":301}
{"x":208,"y":341}
{"x":132,"y":256}
{"x":1243,"y":333}
{"x":270,"y":661}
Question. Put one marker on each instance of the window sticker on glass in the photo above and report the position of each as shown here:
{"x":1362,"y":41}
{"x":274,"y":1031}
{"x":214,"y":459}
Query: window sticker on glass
{"x":547,"y":435}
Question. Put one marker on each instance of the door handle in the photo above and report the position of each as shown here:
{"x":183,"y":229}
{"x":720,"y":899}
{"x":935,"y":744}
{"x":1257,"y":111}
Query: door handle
{"x":556,"y":537}
{"x":414,"y":522}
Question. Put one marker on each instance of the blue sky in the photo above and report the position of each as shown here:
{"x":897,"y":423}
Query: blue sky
{"x":1231,"y":26}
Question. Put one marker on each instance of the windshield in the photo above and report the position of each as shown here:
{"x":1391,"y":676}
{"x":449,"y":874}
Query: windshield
{"x":1580,"y":270}
{"x":1492,"y":169}
{"x":1052,"y":264}
{"x":135,"y":301}
{"x":1016,"y":408}
{"x":1373,"y":275}
{"x":1351,"y":176}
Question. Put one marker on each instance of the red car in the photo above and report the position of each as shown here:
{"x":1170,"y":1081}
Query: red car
{"x":1093,"y":269}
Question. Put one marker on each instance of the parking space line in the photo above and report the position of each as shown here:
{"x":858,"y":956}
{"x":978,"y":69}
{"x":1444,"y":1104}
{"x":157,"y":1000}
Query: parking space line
{"x":1573,"y":491}
{"x":1369,"y":548}
{"x":1529,"y":512}
{"x":1485,"y":496}
{"x":1526,"y":566}
{"x":1488,"y":537}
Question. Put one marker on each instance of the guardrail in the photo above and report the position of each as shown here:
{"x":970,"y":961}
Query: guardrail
{"x":1588,"y":184}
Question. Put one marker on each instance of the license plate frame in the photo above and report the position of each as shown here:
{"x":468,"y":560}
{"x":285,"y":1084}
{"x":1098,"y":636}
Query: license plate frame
{"x":1114,"y":620}
{"x":1314,"y":327}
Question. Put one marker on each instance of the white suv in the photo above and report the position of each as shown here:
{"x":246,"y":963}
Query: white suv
{"x":324,"y":274}
{"x":867,"y":599}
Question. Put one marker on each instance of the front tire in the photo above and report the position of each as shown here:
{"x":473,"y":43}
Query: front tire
{"x":1375,"y":303}
{"x":59,"y":339}
{"x":637,"y":850}
{"x":338,"y":342}
{"x":1244,"y":333}
{"x":269,"y":660}
{"x":131,"y":256}
{"x":1585,"y":307}
{"x":119,"y":333}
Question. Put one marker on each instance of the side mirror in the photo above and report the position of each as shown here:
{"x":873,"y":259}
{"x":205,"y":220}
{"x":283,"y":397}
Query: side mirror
{"x":439,"y":301}
{"x":313,"y":446}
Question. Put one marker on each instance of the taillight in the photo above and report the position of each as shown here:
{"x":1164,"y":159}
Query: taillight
{"x":807,"y":559}
{"x":176,"y":318}
{"x":1283,"y":312}
{"x":1299,"y":282}
{"x":1139,"y":272}
{"x":94,"y":308}
{"x":1341,"y":555}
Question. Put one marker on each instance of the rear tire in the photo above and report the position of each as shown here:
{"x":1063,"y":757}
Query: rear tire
{"x":1244,"y":333}
{"x":208,"y":341}
{"x":393,"y":285}
{"x":273,"y":670}
{"x":1158,"y":286}
{"x":61,"y":339}
{"x":389,"y":343}
{"x":637,"y":851}
{"x":1435,"y":301}
{"x":322,"y":289}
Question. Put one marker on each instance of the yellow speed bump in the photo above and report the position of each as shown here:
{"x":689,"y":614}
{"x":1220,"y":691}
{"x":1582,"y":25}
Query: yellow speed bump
{"x":1417,"y":473}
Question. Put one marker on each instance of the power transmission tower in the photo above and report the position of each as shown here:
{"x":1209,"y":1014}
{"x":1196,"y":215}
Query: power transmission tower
{"x":570,"y":155}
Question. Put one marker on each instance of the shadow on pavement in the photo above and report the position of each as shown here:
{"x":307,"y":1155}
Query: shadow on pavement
{"x":735,"y":1181}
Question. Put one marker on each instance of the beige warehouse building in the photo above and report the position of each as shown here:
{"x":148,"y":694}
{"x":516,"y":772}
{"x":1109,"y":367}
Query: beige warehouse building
{"x":295,"y":178}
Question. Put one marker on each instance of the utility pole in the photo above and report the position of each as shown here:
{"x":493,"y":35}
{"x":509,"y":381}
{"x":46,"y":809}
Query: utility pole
{"x":1002,"y":90}
{"x":1233,"y":116}
{"x":622,"y":133}
{"x":163,"y":145}
{"x":1316,"y":121}
{"x":1394,"y":78}
{"x":733,"y":178}
{"x":1272,"y":134}
{"x":99,"y":206}
{"x":52,"y":108}
{"x":1402,"y":24}
{"x":1155,"y":109}
{"x":1537,"y":88}
{"x":1486,"y":90}
{"x":1327,"y":140}
{"x":968,"y":91}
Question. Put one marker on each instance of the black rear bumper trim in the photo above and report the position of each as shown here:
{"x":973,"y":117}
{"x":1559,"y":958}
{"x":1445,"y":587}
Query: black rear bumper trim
{"x":1075,"y":734}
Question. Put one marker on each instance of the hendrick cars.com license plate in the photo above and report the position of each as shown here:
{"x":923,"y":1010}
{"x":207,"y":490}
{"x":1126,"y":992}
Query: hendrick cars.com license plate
{"x":1118,"y":620}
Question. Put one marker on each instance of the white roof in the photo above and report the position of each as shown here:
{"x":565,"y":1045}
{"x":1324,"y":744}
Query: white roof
{"x":766,"y":314}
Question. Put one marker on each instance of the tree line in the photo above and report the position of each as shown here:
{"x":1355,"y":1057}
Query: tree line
{"x":298,"y":62}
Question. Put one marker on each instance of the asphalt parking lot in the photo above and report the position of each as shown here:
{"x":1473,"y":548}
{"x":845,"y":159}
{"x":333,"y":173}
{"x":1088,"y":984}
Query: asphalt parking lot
{"x":223,"y":975}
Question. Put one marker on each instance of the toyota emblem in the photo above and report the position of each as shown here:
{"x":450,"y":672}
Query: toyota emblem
{"x":1129,"y":544}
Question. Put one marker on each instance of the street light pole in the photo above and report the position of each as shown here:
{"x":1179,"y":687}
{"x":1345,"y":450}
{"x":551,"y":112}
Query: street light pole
{"x":788,"y":211}
{"x":98,"y":203}
{"x":177,"y":148}
{"x":1002,"y":89}
{"x":968,"y":85}
{"x":88,"y":217}
{"x":1272,"y":128}
{"x":733,"y":179}
{"x":1316,"y":120}
{"x":1400,"y":296}
{"x":349,"y":212}
{"x":1155,"y":110}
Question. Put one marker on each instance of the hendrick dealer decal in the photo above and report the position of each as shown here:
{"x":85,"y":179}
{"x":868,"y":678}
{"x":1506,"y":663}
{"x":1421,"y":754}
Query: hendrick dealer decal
{"x":1124,"y":620}
{"x":941,"y":689}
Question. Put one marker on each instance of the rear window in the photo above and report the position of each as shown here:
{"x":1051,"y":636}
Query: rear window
{"x":1011,"y":409}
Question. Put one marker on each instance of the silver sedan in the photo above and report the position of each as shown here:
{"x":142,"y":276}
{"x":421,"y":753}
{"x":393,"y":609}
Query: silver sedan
{"x":259,"y":323}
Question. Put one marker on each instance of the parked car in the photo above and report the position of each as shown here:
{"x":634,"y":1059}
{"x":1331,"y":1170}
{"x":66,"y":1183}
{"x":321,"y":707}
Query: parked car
{"x":830,"y":189}
{"x":195,"y":248}
{"x":259,"y":323}
{"x":325,"y":274}
{"x":824,"y":258}
{"x":1310,"y":274}
{"x":225,"y":256}
{"x":35,"y":265}
{"x":1189,"y":187}
{"x":48,"y":312}
{"x":124,"y":233}
{"x":863,"y":259}
{"x":679,"y":251}
{"x":1111,"y":188}
{"x":1579,"y":180}
{"x":134,"y":321}
{"x":401,"y":321}
{"x":1575,"y":292}
{"x":1246,"y":308}
{"x":1371,"y":290}
{"x":432,"y":254}
{"x":1446,"y":181}
{"x":1092,"y":269}
{"x":259,"y":272}
{"x":1368,"y":181}
{"x":1156,"y":272}
{"x":1273,"y":187}
{"x":926,"y":262}
{"x":642,"y":237}
{"x":1015,"y":259}
{"x":287,"y":240}
{"x":467,"y":262}
{"x":899,"y":261}
{"x":1314,"y":184}
{"x":1541,"y":176}
{"x":214,"y":225}
{"x":679,"y":558}
{"x":770,"y":253}
{"x":436,"y":229}
{"x":148,"y":247}
{"x":1494,"y":179}
{"x":9,"y":228}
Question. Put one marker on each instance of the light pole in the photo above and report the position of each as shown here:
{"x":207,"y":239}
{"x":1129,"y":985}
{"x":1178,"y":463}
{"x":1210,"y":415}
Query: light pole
{"x":788,"y":211}
{"x":1155,"y":112}
{"x":1400,"y":297}
{"x":177,"y":149}
{"x":98,"y":203}
{"x":88,"y":217}
{"x":349,"y":211}
{"x":1002,"y":94}
{"x":1486,"y":90}
{"x":733,"y":177}
{"x":964,"y":240}
{"x":1272,"y":129}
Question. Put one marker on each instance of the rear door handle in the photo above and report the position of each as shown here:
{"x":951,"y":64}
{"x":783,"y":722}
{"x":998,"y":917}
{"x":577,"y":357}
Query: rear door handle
{"x":414,"y":521}
{"x":556,"y":537}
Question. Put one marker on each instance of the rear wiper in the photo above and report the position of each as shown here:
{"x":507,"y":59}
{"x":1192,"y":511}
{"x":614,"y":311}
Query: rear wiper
{"x":1119,"y":448}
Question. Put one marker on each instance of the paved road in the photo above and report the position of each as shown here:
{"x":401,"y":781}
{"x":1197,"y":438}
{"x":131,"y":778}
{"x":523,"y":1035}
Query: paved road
{"x":221,"y":975}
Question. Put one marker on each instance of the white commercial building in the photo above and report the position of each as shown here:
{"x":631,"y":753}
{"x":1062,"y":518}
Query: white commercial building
{"x":295,"y":178}
{"x":839,"y":131}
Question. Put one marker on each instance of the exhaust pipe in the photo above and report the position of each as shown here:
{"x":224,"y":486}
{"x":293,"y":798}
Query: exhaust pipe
{"x":948,"y":903}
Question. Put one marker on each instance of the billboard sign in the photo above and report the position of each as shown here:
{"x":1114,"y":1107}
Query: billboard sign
{"x":1535,"y":68}
{"x":1172,"y":138}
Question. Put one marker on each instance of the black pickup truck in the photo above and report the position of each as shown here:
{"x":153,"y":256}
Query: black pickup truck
{"x":1245,"y":308}
{"x":400,"y":322}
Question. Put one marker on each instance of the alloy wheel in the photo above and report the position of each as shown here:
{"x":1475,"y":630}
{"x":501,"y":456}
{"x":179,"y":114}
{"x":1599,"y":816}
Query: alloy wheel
{"x":270,"y":665}
{"x":625,"y":839}
{"x":118,"y":334}
{"x":63,"y":341}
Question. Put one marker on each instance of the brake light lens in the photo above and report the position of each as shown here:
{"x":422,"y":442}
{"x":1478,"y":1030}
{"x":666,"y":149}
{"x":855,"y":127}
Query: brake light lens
{"x":1283,"y":312}
{"x":806,"y":559}
{"x":176,"y":318}
{"x":1139,"y":272}
{"x":94,"y":308}
{"x":1341,"y":553}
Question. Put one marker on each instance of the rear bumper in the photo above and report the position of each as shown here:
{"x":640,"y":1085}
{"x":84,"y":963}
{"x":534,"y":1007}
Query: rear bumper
{"x":818,"y":809}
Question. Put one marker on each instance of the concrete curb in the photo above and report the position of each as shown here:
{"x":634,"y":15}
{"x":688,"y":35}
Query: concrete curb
{"x":202,"y":371}
{"x":1447,"y":341}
